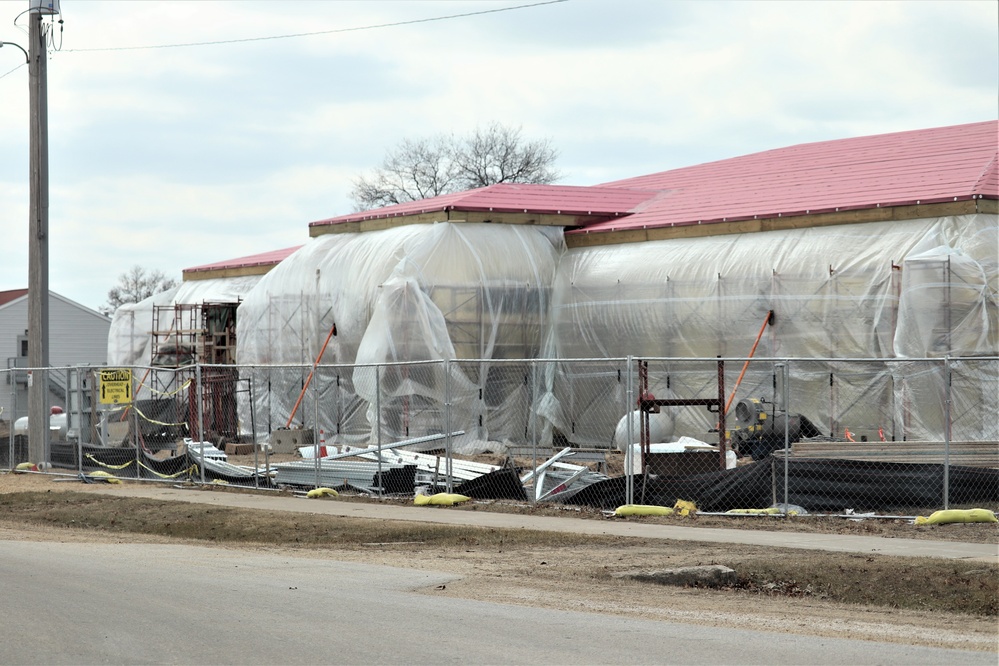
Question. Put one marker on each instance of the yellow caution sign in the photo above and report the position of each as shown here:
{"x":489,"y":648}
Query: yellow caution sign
{"x":116,"y":386}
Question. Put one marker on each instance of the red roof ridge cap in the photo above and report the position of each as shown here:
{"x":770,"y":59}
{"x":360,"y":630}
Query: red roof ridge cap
{"x":989,"y":173}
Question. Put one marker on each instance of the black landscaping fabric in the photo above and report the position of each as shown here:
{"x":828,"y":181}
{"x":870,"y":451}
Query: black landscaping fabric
{"x":817,"y":485}
{"x":503,"y":483}
{"x":161,"y":422}
{"x":398,"y":480}
{"x":64,"y":454}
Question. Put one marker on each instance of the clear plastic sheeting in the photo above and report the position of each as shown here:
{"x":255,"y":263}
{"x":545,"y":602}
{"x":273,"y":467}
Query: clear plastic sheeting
{"x":130,"y":340}
{"x":501,"y":332}
{"x":215,"y":290}
{"x":928,"y":287}
{"x":411,"y":393}
{"x":834,"y":291}
{"x":962,"y":394}
{"x":415,"y":293}
{"x":944,"y":305}
{"x":974,"y":401}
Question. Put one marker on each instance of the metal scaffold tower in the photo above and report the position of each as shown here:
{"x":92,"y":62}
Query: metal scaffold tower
{"x":186,"y":337}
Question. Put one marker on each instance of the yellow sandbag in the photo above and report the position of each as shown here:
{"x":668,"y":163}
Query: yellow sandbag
{"x":958,"y":516}
{"x":642,"y":510}
{"x":685,"y":508}
{"x":24,"y":467}
{"x":440,"y":499}
{"x":104,"y":476}
{"x":321,"y":492}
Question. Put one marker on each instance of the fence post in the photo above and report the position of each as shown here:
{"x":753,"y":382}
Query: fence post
{"x":534,"y":411}
{"x":786,"y":399}
{"x":629,"y":478}
{"x":77,"y":384}
{"x":253,"y":433}
{"x":104,"y":426}
{"x":447,"y":420}
{"x":138,"y":436}
{"x":199,"y":392}
{"x":378,"y":457}
{"x":339,"y":404}
{"x":318,"y":440}
{"x":947,"y":433}
{"x":378,"y":411}
{"x":13,"y":417}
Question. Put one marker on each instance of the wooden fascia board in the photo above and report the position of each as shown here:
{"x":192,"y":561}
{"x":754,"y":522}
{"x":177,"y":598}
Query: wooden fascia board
{"x":988,"y":206}
{"x":458,"y":217}
{"x":377,"y":224}
{"x":538,"y":219}
{"x":239,"y":271}
{"x":887,"y":214}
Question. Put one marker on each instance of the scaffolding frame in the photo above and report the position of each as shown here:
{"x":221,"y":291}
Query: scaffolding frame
{"x":185,"y":335}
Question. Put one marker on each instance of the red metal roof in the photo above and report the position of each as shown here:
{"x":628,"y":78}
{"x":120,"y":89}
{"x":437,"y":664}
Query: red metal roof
{"x":516,"y":198}
{"x":903,"y":168}
{"x":262,"y":259}
{"x":11,"y":295}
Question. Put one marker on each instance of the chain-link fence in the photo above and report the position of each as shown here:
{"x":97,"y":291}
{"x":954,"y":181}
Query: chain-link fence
{"x":819,"y":435}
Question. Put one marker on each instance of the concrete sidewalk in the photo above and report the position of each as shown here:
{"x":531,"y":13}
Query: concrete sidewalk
{"x":977,"y":552}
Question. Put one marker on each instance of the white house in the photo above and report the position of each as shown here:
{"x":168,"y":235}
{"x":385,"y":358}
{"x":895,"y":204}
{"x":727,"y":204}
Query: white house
{"x":77,"y":336}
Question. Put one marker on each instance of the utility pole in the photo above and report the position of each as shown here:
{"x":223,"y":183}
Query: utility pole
{"x":38,"y":236}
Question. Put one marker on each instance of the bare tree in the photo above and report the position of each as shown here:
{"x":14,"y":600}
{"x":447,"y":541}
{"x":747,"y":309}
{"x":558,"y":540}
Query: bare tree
{"x":416,"y":169}
{"x":422,"y":168}
{"x":497,"y":154}
{"x":134,"y":286}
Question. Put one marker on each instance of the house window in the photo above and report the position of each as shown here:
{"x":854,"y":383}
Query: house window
{"x":23,"y":342}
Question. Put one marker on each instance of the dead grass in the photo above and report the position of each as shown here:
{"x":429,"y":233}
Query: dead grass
{"x":935,"y":585}
{"x":181,"y":520}
{"x":543,"y":558}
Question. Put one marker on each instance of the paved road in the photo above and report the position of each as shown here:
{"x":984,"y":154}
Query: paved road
{"x":829,"y":542}
{"x":84,"y":603}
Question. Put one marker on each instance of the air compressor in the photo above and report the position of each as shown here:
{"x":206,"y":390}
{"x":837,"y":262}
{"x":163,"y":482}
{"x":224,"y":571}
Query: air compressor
{"x":760,"y":428}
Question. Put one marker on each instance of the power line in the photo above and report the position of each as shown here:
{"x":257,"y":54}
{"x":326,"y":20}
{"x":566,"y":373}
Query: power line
{"x":311,"y":34}
{"x":13,"y":70}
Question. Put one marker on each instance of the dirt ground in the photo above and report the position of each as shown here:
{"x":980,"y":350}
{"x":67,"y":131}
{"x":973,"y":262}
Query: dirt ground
{"x":578,"y":578}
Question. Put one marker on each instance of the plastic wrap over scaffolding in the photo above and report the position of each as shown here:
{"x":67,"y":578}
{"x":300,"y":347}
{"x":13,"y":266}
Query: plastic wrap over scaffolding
{"x":410,"y":294}
{"x":130,"y":340}
{"x":166,"y":334}
{"x":920,"y":288}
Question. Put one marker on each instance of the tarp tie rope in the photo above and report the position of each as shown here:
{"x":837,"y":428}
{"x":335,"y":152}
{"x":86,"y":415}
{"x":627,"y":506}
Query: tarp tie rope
{"x":98,"y":462}
{"x":162,"y":423}
{"x":188,"y":472}
{"x":166,"y":393}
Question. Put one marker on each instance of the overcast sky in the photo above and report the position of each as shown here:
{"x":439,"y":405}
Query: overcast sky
{"x":181,"y":156}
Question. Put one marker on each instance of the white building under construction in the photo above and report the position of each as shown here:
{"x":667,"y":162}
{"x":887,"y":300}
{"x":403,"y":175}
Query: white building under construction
{"x":872,"y":250}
